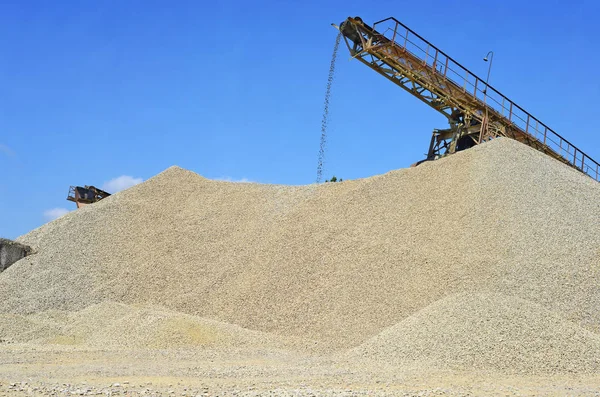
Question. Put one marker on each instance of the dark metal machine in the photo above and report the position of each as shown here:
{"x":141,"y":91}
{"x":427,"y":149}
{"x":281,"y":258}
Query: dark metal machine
{"x":476,"y":111}
{"x":86,"y":195}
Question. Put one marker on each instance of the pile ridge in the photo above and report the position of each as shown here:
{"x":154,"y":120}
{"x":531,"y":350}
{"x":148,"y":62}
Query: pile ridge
{"x":485,"y":331}
{"x":111,"y":325}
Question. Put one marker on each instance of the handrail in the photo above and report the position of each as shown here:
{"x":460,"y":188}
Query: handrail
{"x":517,"y":116}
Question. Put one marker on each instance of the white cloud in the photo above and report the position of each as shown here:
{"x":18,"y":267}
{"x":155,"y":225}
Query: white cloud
{"x":230,"y":179}
{"x":55,"y":213}
{"x":121,"y":183}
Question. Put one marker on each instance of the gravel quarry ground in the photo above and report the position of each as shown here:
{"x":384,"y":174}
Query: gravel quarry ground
{"x":477,"y":274}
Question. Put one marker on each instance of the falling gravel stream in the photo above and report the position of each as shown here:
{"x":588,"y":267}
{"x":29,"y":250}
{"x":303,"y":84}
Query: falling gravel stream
{"x":325,"y":119}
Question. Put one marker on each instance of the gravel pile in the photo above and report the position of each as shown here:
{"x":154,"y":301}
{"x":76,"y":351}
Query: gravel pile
{"x":117,"y":326}
{"x":487,"y":332}
{"x":339,"y":262}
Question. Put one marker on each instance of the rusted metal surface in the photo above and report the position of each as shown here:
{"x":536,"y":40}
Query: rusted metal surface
{"x":402,"y":56}
{"x":85,"y":195}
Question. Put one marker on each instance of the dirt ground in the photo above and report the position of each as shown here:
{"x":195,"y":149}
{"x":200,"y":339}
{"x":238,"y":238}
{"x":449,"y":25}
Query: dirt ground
{"x":63,"y":370}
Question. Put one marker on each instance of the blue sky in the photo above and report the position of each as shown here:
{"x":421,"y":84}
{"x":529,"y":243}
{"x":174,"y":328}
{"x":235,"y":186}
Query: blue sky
{"x":101,"y":91}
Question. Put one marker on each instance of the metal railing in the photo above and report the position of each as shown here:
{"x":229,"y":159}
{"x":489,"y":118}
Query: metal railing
{"x":514,"y":115}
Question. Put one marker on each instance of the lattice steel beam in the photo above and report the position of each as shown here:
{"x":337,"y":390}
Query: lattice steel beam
{"x":414,"y":64}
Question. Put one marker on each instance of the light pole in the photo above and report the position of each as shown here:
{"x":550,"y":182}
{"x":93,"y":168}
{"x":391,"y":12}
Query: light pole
{"x":484,"y":125}
{"x":491,"y":59}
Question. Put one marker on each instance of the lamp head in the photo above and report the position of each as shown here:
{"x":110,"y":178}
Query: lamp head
{"x":485,"y":59}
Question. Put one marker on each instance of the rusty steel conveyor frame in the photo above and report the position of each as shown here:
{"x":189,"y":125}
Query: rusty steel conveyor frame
{"x":85,"y":195}
{"x":416,"y":65}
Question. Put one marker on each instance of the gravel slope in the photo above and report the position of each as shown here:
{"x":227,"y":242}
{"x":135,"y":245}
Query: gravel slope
{"x":486,"y":332}
{"x":117,"y":326}
{"x":337,"y":263}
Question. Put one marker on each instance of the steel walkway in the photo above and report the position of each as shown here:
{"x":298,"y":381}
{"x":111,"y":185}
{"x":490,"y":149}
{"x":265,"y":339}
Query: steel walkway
{"x":416,"y":65}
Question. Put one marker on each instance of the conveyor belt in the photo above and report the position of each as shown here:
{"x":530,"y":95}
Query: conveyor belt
{"x":407,"y":59}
